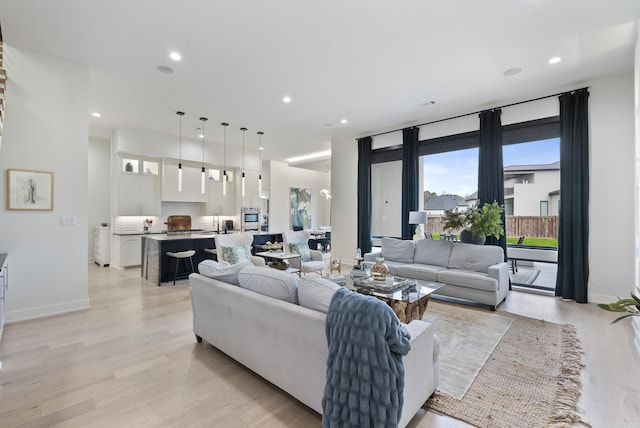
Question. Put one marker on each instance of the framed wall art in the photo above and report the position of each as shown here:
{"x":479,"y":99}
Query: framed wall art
{"x":300,"y":208}
{"x":29,"y":190}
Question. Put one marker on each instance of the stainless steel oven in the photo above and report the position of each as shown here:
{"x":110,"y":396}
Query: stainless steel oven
{"x":250,"y":219}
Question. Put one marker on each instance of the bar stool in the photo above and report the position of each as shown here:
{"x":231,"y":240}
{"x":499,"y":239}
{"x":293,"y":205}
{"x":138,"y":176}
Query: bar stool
{"x":213,"y":252}
{"x":181,"y":255}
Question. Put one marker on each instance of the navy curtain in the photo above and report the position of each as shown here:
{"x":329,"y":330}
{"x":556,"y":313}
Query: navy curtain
{"x":410,"y":183}
{"x":573,"y":230}
{"x":490,"y":167}
{"x":364,"y":194}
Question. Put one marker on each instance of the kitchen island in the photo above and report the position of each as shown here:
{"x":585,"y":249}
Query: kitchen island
{"x":156,"y":263}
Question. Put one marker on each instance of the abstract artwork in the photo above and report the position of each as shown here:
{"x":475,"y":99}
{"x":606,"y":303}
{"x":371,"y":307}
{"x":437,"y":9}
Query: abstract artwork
{"x":29,"y":190}
{"x":300,"y":208}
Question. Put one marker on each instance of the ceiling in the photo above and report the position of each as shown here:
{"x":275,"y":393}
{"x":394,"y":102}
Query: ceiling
{"x":378,"y":64}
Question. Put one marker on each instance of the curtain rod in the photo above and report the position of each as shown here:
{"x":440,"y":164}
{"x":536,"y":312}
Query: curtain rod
{"x":480,"y":111}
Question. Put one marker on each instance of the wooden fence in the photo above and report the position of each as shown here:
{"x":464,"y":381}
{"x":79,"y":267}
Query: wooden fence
{"x":529,"y":226}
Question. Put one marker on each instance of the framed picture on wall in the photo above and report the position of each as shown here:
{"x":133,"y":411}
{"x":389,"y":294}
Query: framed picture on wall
{"x":300,"y":208}
{"x":29,"y":190}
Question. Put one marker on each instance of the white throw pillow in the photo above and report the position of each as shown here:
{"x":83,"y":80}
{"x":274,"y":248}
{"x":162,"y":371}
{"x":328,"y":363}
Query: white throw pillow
{"x":270,"y":282}
{"x":223,"y":271}
{"x":316,"y":293}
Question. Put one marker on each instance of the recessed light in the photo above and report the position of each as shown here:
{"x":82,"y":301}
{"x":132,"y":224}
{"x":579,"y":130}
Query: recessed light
{"x":260,"y":148}
{"x":200,"y":136}
{"x":428,"y":103}
{"x":513,"y":71}
{"x":343,"y":121}
{"x":164,"y":69}
{"x":175,"y":56}
{"x":327,"y":125}
{"x":555,"y":60}
{"x":286,"y":99}
{"x":96,"y":114}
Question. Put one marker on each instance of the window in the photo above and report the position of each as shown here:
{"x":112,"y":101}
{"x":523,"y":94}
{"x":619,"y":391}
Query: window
{"x":386,"y":199}
{"x":544,"y":208}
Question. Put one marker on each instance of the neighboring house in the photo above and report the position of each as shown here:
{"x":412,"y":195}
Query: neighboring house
{"x":439,"y":204}
{"x":532,"y":190}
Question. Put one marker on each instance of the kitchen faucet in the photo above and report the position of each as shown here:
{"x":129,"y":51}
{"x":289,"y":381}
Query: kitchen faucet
{"x":216,"y":222}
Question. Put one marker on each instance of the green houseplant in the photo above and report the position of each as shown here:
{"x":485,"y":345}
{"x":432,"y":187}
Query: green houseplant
{"x":630,"y":306}
{"x":476,"y":223}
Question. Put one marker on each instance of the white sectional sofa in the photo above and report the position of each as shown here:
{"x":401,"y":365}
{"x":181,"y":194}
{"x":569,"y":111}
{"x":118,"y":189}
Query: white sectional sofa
{"x":472,"y":272}
{"x":260,"y":324}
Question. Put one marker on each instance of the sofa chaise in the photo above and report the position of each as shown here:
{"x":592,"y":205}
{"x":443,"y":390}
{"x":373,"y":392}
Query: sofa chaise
{"x":274,"y":324}
{"x":471,"y":272}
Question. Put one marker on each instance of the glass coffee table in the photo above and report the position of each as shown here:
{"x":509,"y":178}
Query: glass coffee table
{"x":407,"y":297}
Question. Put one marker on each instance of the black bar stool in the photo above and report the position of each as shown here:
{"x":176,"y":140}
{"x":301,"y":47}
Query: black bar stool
{"x":181,"y":255}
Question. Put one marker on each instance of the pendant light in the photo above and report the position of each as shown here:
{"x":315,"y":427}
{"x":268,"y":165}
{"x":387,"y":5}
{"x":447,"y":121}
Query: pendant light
{"x":243,"y":132}
{"x":260,"y":148}
{"x":180,"y":114}
{"x":203,"y":175}
{"x":224,"y":162}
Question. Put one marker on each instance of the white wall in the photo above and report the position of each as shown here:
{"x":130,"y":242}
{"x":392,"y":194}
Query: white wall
{"x":46,"y":128}
{"x":611,"y":246}
{"x":283,"y":177}
{"x":99,"y":186}
{"x":636,"y":320}
{"x":344,"y":200}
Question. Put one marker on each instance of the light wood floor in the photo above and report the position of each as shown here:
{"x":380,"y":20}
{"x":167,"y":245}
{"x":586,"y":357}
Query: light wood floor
{"x":132,"y":361}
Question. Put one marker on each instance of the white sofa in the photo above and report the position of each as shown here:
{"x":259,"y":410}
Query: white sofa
{"x":285,"y":343}
{"x":471,"y":272}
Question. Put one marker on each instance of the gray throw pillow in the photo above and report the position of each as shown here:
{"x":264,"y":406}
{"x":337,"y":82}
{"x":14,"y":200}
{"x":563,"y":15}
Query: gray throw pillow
{"x":224,"y":272}
{"x":433,"y":252}
{"x":398,"y":250}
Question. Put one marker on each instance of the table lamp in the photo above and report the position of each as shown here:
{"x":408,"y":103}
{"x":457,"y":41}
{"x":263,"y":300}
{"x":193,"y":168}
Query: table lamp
{"x":418,"y":218}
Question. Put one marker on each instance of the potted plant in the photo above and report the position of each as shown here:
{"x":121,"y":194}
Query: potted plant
{"x":476,"y":223}
{"x":630,"y":306}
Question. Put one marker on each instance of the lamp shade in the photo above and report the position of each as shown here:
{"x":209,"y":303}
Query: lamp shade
{"x":417,"y":217}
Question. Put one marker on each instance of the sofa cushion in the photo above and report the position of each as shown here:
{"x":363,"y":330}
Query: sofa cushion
{"x":235,"y":255}
{"x":301,"y":248}
{"x":393,"y":267}
{"x":433,"y":252}
{"x":397,"y":250}
{"x":316,"y":293}
{"x":424,"y":272}
{"x":473,"y":257}
{"x":270,"y":282}
{"x":223,"y":271}
{"x":468,"y":279}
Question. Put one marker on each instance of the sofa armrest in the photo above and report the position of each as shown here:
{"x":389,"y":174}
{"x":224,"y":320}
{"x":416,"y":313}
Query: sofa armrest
{"x":421,"y":371}
{"x":258,"y":261}
{"x":371,"y":257}
{"x":500,"y":271}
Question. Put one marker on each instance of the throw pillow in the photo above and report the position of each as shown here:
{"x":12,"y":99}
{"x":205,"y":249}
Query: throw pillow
{"x":223,"y":271}
{"x":301,"y":248}
{"x":235,"y":255}
{"x":270,"y":282}
{"x":398,"y":250}
{"x":316,"y":293}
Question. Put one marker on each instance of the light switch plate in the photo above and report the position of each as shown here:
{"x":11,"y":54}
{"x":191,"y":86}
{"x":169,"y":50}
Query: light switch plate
{"x":68,"y":220}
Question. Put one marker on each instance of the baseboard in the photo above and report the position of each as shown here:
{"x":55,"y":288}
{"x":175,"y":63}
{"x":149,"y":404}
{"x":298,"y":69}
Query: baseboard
{"x":602,"y":298}
{"x":47,"y":311}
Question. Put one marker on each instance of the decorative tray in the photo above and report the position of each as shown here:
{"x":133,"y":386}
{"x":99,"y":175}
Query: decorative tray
{"x":381,"y":285}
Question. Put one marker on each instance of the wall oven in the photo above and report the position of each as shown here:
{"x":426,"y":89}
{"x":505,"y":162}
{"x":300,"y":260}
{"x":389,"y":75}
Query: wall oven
{"x":250,"y":219}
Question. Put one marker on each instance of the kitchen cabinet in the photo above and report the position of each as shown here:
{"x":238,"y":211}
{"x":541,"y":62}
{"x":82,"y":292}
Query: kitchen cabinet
{"x":191,"y":176}
{"x":138,"y":187}
{"x":4,"y":286}
{"x":219,"y":203}
{"x":127,"y":251}
{"x":102,"y":245}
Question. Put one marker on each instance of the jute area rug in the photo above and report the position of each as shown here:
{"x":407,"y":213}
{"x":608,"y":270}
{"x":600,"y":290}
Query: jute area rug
{"x":530,"y":379}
